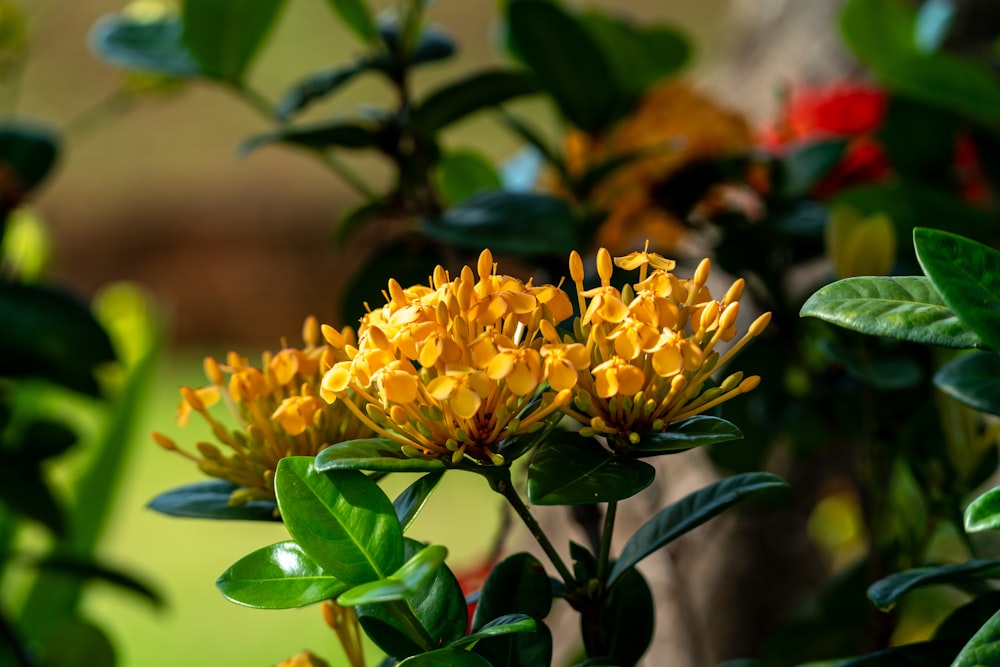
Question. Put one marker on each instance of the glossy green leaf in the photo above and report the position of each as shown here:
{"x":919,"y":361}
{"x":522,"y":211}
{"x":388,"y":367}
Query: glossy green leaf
{"x":696,"y":431}
{"x":478,"y":91}
{"x":85,"y":569}
{"x":373,"y":454}
{"x":688,"y":513}
{"x":412,"y":499}
{"x":445,"y":657}
{"x":522,"y":224}
{"x":329,"y":134}
{"x":879,"y":31}
{"x":341,"y":519}
{"x":317,"y":86}
{"x":804,"y":166}
{"x":516,"y":585}
{"x":967,"y":275}
{"x":465,"y":173}
{"x":439,"y":607}
{"x":225,"y":35}
{"x":407,"y":580}
{"x":568,"y":62}
{"x":280,"y":576}
{"x":887,"y":591}
{"x":983,"y":513}
{"x":569,"y":469}
{"x":51,"y":334}
{"x":628,"y":619}
{"x":983,"y":648}
{"x":907,"y":308}
{"x":356,"y":16}
{"x":498,"y":627}
{"x":972,"y":379}
{"x":210,"y":500}
{"x":145,"y":46}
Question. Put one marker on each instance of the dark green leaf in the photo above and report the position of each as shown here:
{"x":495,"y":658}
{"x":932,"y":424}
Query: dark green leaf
{"x":983,"y":648}
{"x":690,"y":512}
{"x":413,"y":575}
{"x":803,"y":167}
{"x":317,"y":86}
{"x":373,"y":454}
{"x":879,"y":31}
{"x":439,"y":606}
{"x":509,"y":223}
{"x":330,"y":134}
{"x":445,"y":657}
{"x":90,"y":570}
{"x":50,"y":334}
{"x":43,"y":440}
{"x":907,"y":308}
{"x":972,"y":379}
{"x":983,"y":513}
{"x":409,"y":503}
{"x":475,"y":92}
{"x":28,"y":152}
{"x":524,"y":649}
{"x":919,"y":140}
{"x":963,"y":622}
{"x":695,"y":431}
{"x":210,"y":500}
{"x":465,"y":173}
{"x":146,"y":46}
{"x":77,"y":642}
{"x":433,"y":44}
{"x":628,"y":618}
{"x":504,"y":625}
{"x":341,"y":519}
{"x":568,"y":62}
{"x":885,"y":592}
{"x":356,"y":15}
{"x":920,"y":654}
{"x":569,"y":469}
{"x":225,"y":35}
{"x":943,"y":80}
{"x":516,"y":585}
{"x":280,"y":576}
{"x":967,"y":275}
{"x":934,"y":20}
{"x":24,"y":491}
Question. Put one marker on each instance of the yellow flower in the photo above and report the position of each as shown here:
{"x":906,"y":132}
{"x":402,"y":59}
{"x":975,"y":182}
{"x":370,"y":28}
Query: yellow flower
{"x":277,"y":410}
{"x":450,"y":369}
{"x":651,"y":357}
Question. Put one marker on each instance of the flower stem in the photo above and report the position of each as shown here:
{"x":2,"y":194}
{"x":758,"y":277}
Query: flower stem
{"x":411,"y":624}
{"x":502,"y":485}
{"x":605,"y":555}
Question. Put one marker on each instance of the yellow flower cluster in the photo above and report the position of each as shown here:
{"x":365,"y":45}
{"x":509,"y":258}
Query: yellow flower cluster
{"x":450,"y":369}
{"x":277,"y":411}
{"x":651,"y":347}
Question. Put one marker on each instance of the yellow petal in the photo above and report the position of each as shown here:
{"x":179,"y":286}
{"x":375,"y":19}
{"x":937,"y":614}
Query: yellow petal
{"x":441,"y":387}
{"x":500,"y":366}
{"x":399,"y":386}
{"x":465,"y":402}
{"x":522,"y":381}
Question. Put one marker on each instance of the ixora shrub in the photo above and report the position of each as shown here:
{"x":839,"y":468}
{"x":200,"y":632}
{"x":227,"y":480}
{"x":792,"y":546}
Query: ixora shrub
{"x":471,"y":373}
{"x":956,"y":304}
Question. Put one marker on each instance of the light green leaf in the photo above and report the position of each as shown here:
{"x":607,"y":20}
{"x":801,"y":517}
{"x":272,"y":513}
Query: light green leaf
{"x":280,"y":576}
{"x":688,"y":513}
{"x":407,"y":580}
{"x":465,"y":173}
{"x":356,"y":16}
{"x":341,"y":519}
{"x":225,"y":35}
{"x":908,"y":308}
{"x":983,"y":513}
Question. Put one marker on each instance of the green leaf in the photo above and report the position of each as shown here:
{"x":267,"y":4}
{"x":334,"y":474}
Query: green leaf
{"x":74,"y":641}
{"x":804,"y":166}
{"x":317,"y":86}
{"x":465,"y":173}
{"x":41,"y":440}
{"x":569,"y":469}
{"x":688,"y":513}
{"x":341,"y":519}
{"x":879,"y":31}
{"x":509,"y":223}
{"x":280,"y":576}
{"x":210,"y":500}
{"x":696,"y":431}
{"x":972,"y":379}
{"x":983,"y":513}
{"x":887,"y":591}
{"x":28,"y":151}
{"x":380,"y":454}
{"x":439,"y":607}
{"x":330,"y":134}
{"x":407,"y":580}
{"x":409,"y":503}
{"x":963,"y":622}
{"x":983,"y":648}
{"x":967,"y":275}
{"x":920,"y":654}
{"x":568,"y":62}
{"x":445,"y":657}
{"x":628,"y":619}
{"x":433,"y":44}
{"x":481,"y":90}
{"x":50,"y":334}
{"x":498,"y":627}
{"x":91,"y":570}
{"x":146,"y":46}
{"x":356,"y":16}
{"x":225,"y":35}
{"x":949,"y":82}
{"x":907,"y":308}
